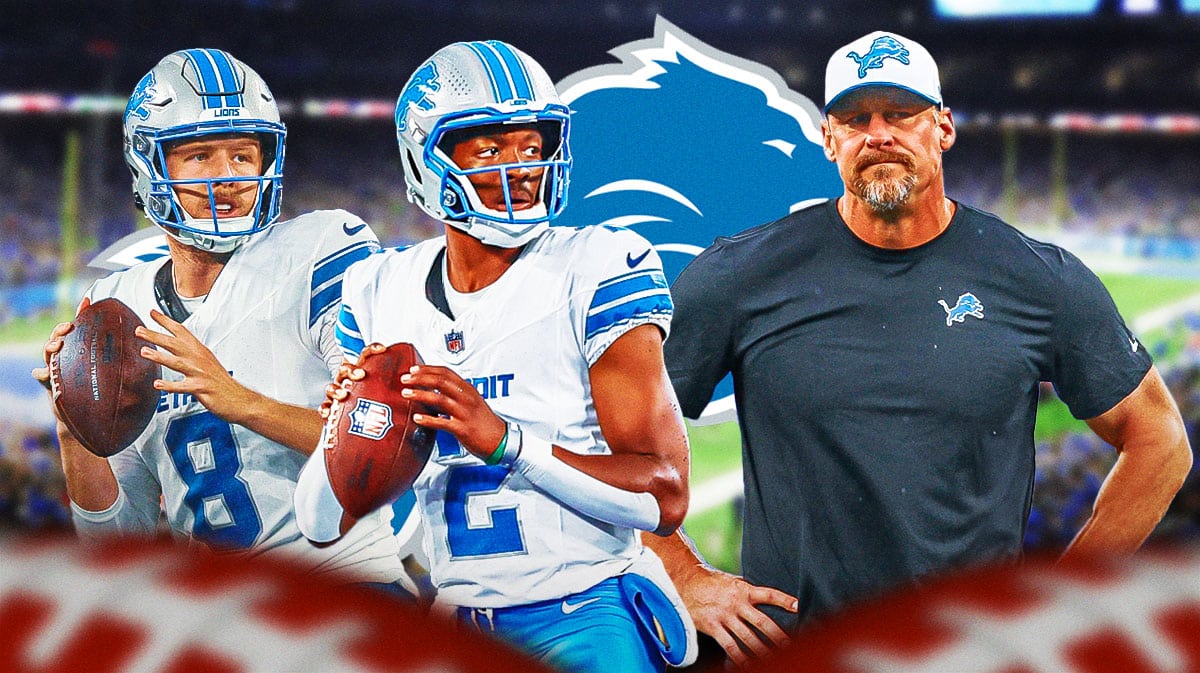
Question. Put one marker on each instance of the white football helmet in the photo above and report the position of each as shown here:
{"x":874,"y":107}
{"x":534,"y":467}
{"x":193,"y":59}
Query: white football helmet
{"x":469,"y":84}
{"x":190,"y":94}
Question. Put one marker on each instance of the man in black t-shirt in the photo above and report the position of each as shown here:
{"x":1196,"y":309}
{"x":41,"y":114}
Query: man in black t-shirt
{"x":886,"y":350}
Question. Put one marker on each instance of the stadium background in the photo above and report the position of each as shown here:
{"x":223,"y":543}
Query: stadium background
{"x":1080,"y":129}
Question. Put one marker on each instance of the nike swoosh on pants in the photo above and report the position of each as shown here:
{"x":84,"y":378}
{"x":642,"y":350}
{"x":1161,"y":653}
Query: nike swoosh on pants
{"x":568,"y":608}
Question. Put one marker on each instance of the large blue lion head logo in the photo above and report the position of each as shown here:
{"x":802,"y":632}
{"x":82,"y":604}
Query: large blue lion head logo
{"x":684,"y":143}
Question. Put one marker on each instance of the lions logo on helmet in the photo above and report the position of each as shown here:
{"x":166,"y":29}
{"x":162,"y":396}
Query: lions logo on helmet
{"x":191,"y":94}
{"x":470,"y":84}
{"x":425,"y":79}
{"x":145,"y":92}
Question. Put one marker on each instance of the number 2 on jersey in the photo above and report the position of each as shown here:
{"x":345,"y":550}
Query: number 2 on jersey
{"x":503,"y":533}
{"x":205,"y":453}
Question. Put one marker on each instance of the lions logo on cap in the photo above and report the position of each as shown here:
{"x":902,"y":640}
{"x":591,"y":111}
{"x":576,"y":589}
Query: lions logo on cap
{"x":881,"y":49}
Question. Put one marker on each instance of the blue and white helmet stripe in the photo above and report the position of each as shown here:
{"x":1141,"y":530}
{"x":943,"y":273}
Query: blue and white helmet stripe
{"x":220,"y":85}
{"x":516,"y":69}
{"x":509,"y":78}
{"x":501,"y":91}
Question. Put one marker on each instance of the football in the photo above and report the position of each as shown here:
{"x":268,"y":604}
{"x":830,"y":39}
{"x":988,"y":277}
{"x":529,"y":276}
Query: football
{"x":102,"y":387}
{"x":373,"y":449}
{"x":1098,"y":614}
{"x":84,"y":608}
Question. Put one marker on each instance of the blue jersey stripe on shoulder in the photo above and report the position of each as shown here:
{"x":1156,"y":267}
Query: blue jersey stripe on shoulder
{"x":638,"y":308}
{"x":624,"y":286}
{"x":371,"y":246}
{"x":347,"y":322}
{"x":347,"y":334}
{"x":617,"y":279}
{"x":323,"y":301}
{"x":336,"y":264}
{"x":146,"y":257}
{"x":351,"y":348}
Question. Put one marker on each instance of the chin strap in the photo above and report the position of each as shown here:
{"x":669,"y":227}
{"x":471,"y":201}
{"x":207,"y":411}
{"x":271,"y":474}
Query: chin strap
{"x":214,"y":244}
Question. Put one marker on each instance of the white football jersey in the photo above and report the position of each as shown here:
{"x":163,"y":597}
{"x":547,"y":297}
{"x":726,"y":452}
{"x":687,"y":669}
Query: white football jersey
{"x":526,"y":342}
{"x":269,"y":320}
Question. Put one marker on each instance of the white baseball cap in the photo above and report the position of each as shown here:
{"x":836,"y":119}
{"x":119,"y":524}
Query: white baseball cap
{"x":882,"y":59}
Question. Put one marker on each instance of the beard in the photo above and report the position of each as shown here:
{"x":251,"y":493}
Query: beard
{"x":888,"y":192}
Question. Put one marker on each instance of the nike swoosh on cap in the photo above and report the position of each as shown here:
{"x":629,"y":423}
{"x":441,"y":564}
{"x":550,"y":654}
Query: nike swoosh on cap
{"x":350,"y":231}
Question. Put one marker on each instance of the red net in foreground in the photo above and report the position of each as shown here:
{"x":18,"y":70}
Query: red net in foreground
{"x":130,"y":605}
{"x":1094,"y":616}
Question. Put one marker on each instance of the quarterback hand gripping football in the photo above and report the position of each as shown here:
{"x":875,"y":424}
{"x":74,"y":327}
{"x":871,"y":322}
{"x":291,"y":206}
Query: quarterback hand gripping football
{"x":102,"y":388}
{"x":371,"y":450}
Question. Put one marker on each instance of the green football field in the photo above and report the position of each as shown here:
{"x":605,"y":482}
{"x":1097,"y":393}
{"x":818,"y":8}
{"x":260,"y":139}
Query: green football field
{"x":716,"y":449}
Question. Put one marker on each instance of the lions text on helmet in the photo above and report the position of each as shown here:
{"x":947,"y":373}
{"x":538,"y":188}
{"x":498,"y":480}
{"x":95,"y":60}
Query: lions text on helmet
{"x":491,"y":160}
{"x":205,"y":145}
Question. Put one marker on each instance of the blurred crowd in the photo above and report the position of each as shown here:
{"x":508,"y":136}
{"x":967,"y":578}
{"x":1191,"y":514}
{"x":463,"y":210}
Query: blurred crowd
{"x":1132,"y":185}
{"x":33,"y":493}
{"x":1140,"y":185}
{"x":29,"y":212}
{"x":1070,"y":470}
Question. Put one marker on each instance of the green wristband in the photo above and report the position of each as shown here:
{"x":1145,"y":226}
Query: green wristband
{"x":494,"y":459}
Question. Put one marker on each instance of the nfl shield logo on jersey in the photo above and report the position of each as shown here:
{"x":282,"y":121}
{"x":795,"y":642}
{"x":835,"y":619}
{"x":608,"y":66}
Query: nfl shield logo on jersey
{"x":370,"y":419}
{"x":454,"y":341}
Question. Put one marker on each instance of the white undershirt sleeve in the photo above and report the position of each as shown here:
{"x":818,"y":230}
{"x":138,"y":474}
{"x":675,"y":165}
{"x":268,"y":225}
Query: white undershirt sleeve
{"x":318,"y":512}
{"x":586,"y":494}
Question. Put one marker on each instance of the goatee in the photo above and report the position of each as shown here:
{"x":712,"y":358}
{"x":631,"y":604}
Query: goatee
{"x":888,"y":191}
